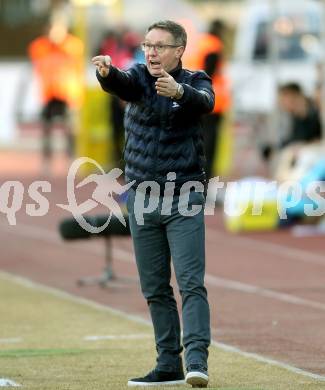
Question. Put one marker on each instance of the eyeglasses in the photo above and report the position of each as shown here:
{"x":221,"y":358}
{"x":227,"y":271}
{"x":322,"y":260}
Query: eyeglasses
{"x":159,"y":48}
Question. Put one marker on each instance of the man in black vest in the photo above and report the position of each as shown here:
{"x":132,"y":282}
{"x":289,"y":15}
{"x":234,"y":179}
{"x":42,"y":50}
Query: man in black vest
{"x":164,"y":155}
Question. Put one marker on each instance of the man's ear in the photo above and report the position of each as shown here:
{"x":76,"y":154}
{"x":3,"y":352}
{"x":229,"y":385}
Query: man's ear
{"x":180,"y":51}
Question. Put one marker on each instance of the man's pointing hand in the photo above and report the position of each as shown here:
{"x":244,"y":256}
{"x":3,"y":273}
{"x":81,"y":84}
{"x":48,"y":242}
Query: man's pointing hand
{"x":102,"y":63}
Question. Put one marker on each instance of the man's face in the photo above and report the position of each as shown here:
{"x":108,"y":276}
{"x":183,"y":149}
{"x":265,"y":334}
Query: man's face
{"x":167,"y":58}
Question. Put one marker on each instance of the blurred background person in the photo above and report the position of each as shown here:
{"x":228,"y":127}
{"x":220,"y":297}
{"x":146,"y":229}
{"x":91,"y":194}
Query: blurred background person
{"x":303,"y":112}
{"x":210,"y":58}
{"x":57,"y":59}
{"x":304,"y":121}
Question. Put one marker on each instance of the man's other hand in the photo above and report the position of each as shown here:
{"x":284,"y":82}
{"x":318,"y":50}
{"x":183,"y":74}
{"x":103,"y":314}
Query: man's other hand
{"x":102,"y":64}
{"x":166,"y":85}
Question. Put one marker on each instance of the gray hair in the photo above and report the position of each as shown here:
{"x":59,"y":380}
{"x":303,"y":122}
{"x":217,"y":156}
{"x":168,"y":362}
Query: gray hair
{"x":176,"y":30}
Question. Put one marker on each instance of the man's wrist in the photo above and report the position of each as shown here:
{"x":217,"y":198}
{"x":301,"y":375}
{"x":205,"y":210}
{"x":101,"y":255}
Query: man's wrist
{"x":179,"y":92}
{"x":106,"y":73}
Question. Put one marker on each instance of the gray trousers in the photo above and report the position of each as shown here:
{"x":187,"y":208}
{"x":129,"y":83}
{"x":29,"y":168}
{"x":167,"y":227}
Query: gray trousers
{"x":156,"y":241}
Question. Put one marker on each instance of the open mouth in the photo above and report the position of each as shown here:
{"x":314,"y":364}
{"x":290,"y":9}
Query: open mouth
{"x":155,"y":64}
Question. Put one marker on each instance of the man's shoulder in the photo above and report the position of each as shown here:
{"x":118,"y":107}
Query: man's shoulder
{"x":138,"y":71}
{"x":195,"y":74}
{"x":138,"y":68}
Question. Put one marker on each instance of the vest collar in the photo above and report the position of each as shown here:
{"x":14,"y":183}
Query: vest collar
{"x":175,"y":72}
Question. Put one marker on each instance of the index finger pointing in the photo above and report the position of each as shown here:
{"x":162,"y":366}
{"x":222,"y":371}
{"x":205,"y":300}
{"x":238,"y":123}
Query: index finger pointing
{"x":164,"y":73}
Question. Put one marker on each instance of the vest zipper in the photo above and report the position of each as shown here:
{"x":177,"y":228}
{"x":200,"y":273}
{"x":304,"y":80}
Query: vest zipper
{"x":163,"y":122}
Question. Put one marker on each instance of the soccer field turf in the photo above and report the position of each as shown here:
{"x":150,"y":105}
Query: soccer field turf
{"x":49,"y":340}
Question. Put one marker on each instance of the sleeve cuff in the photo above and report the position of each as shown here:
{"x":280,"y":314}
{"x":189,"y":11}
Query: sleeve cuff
{"x":186,"y":93}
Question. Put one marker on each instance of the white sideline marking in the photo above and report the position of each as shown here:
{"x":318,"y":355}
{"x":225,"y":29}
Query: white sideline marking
{"x":11,"y":340}
{"x":229,"y":284}
{"x":70,"y":297}
{"x":138,"y":336}
{"x":251,"y":289}
{"x":8,"y":383}
{"x":124,"y":255}
{"x":228,"y":348}
{"x":263,"y":359}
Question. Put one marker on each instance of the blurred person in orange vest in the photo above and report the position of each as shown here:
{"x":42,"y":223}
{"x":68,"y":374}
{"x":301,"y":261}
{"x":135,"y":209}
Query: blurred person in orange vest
{"x":57,"y":58}
{"x":209,"y":57}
